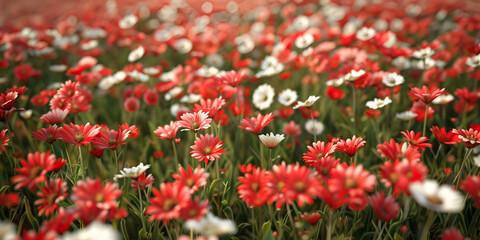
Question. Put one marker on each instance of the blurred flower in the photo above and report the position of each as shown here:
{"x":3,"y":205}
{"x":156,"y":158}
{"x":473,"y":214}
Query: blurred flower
{"x":437,"y":198}
{"x":255,"y":125}
{"x":291,"y":129}
{"x":378,"y":103}
{"x":94,"y":230}
{"x":308,"y":103}
{"x":136,"y":54}
{"x":167,"y":202}
{"x":423,"y":53}
{"x":263,"y":96}
{"x":193,"y":180}
{"x":471,"y":185}
{"x":55,"y":190}
{"x":168,"y":131}
{"x":365,"y":33}
{"x":55,"y":116}
{"x":425,"y":95}
{"x":133,"y":172}
{"x":314,"y":127}
{"x":91,"y":193}
{"x":270,"y":140}
{"x":470,"y":137}
{"x":4,"y":139}
{"x":143,"y":181}
{"x":287,"y":97}
{"x":33,"y":170}
{"x":7,"y":231}
{"x":252,"y":189}
{"x":109,"y":138}
{"x":452,"y":234}
{"x":128,"y":22}
{"x":384,"y":207}
{"x":444,"y":137}
{"x":473,"y":61}
{"x":392,"y":80}
{"x":183,"y":45}
{"x":211,"y":226}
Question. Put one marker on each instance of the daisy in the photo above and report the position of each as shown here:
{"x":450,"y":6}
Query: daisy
{"x":301,"y":184}
{"x":133,"y":172}
{"x":471,"y":185}
{"x":269,"y":67}
{"x":168,"y":131}
{"x":365,"y":33}
{"x":291,"y":129}
{"x":425,"y":95}
{"x":308,"y":103}
{"x":378,"y":103}
{"x":193,"y":180}
{"x":110,"y":138}
{"x":183,"y":45}
{"x":136,"y":54}
{"x":78,"y":134}
{"x":263,"y":96}
{"x":7,"y":100}
{"x":317,"y":152}
{"x":353,"y":75}
{"x":245,"y":43}
{"x":4,"y":139}
{"x":270,"y":140}
{"x":350,"y":146}
{"x":304,"y":40}
{"x":314,"y":127}
{"x":423,"y":53}
{"x":207,"y":148}
{"x":406,"y":116}
{"x":212,"y":107}
{"x":415,"y":140}
{"x":401,"y":63}
{"x":128,"y":21}
{"x":437,"y":198}
{"x":252,"y":189}
{"x":94,"y":230}
{"x":393,"y":79}
{"x":211,"y":226}
{"x":384,"y":207}
{"x":471,"y":137}
{"x":194,"y":210}
{"x":473,"y":61}
{"x":33,"y":170}
{"x":287,"y":97}
{"x":143,"y":181}
{"x":194,"y":121}
{"x":443,"y":136}
{"x":49,"y":196}
{"x":91,"y":193}
{"x":231,"y":78}
{"x":255,"y":125}
{"x":167,"y":202}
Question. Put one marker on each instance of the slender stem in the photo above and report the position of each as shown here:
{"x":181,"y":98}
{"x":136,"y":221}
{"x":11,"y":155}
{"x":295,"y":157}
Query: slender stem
{"x":314,"y":132}
{"x":329,"y":226}
{"x":467,"y":154}
{"x":381,"y":230}
{"x":262,"y":160}
{"x":354,"y":104}
{"x":168,"y":232}
{"x":175,"y":155}
{"x":270,"y":162}
{"x":425,"y":120}
{"x":406,"y":207}
{"x":81,"y":161}
{"x":427,"y":225}
{"x":141,"y":208}
{"x":116,"y":160}
{"x":291,"y":219}
{"x":217,"y":167}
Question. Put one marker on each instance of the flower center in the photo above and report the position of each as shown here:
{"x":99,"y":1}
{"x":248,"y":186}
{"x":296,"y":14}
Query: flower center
{"x":300,"y":187}
{"x":433,"y":199}
{"x":35,"y":172}
{"x":169,"y":204}
{"x":255,"y":186}
{"x":190,"y":182}
{"x":207,"y":150}
{"x":99,"y":197}
{"x":194,"y":125}
{"x":350,"y":183}
{"x":79,"y":137}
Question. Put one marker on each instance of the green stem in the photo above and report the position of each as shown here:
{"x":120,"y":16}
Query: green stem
{"x":406,"y":207}
{"x":467,"y":154}
{"x":354,"y":105}
{"x":329,"y":226}
{"x":425,"y":120}
{"x":141,"y":208}
{"x":116,"y":160}
{"x":289,"y":210}
{"x":314,"y":132}
{"x":262,"y":160}
{"x":175,"y":154}
{"x":427,"y":225}
{"x":381,"y":230}
{"x":81,"y":161}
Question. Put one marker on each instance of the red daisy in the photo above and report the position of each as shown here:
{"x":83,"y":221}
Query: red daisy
{"x":167,"y":202}
{"x":7,"y":100}
{"x":207,"y":148}
{"x":425,"y":95}
{"x":415,"y":140}
{"x":168,"y":131}
{"x":444,"y":137}
{"x":54,"y":191}
{"x":317,"y":152}
{"x":49,"y":134}
{"x":78,"y":134}
{"x":9,"y":200}
{"x":61,"y":222}
{"x":350,"y":146}
{"x":33,"y":170}
{"x":384,"y":207}
{"x":90,"y":193}
{"x":143,"y":181}
{"x":401,"y":173}
{"x":193,"y":180}
{"x":212,"y":107}
{"x":351,"y":179}
{"x":324,"y":165}
{"x":4,"y":139}
{"x":255,"y":125}
{"x":471,"y":185}
{"x":194,"y":121}
{"x":393,"y":150}
{"x":55,"y":116}
{"x":133,"y":130}
{"x":291,"y":129}
{"x":110,"y":138}
{"x":470,"y":137}
{"x":301,"y":184}
{"x":194,"y":210}
{"x":276,"y":181}
{"x":252,"y":189}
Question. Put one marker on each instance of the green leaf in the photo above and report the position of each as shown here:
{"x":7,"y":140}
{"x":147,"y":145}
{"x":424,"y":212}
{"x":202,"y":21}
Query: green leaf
{"x":242,"y":226}
{"x":367,"y":235}
{"x":30,"y":216}
{"x":268,"y":235}
{"x":266,"y":227}
{"x":212,"y":187}
{"x":4,"y":189}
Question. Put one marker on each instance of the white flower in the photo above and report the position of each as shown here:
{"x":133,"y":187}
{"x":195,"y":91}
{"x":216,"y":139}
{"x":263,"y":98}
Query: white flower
{"x":270,"y":140}
{"x":7,"y":231}
{"x":269,"y":67}
{"x":392,"y":79}
{"x":365,"y":33}
{"x":151,"y":71}
{"x":473,"y":61}
{"x":406,"y":116}
{"x":132,"y":172}
{"x":401,"y":62}
{"x":378,"y":103}
{"x":173,"y":93}
{"x":263,"y":96}
{"x":245,"y":43}
{"x":308,"y":103}
{"x":476,"y":156}
{"x":211,"y":226}
{"x":392,"y":39}
{"x":176,"y":108}
{"x":107,"y":82}
{"x":128,"y":21}
{"x":301,"y":23}
{"x":443,"y":99}
{"x":136,"y":54}
{"x":335,"y":82}
{"x":120,"y":76}
{"x":287,"y":97}
{"x":423,"y":53}
{"x":58,"y":68}
{"x":314,"y":127}
{"x":215,"y":60}
{"x":183,"y":45}
{"x":304,"y":40}
{"x":89,"y":45}
{"x":207,"y":72}
{"x":191,"y":98}
{"x":26,"y":114}
{"x":435,"y":198}
{"x":424,"y":64}
{"x":138,"y":76}
{"x":94,"y":230}
{"x":353,"y":75}
{"x":3,"y":80}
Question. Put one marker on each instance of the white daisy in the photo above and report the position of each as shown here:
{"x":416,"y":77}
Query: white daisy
{"x":138,"y":76}
{"x":191,"y":98}
{"x":263,"y":96}
{"x":365,"y":33}
{"x":314,"y":127}
{"x":301,"y":23}
{"x":94,"y":230}
{"x":287,"y":97}
{"x":206,"y":71}
{"x":304,"y":40}
{"x":423,"y":53}
{"x":393,"y":79}
{"x":308,"y":103}
{"x":132,"y":172}
{"x":211,"y":226}
{"x":7,"y":231}
{"x":128,"y":21}
{"x":401,"y":63}
{"x":270,"y":140}
{"x":443,"y":99}
{"x":406,"y":116}
{"x":473,"y":61}
{"x":245,"y":43}
{"x":378,"y":103}
{"x":26,"y":114}
{"x":136,"y":54}
{"x":173,"y":93}
{"x":58,"y":68}
{"x":335,"y":82}
{"x":176,"y":108}
{"x":438,"y":199}
{"x":353,"y":75}
{"x":183,"y":45}
{"x":269,"y":67}
{"x":424,"y":64}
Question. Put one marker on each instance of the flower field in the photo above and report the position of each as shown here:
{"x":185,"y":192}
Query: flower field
{"x":240,"y":120}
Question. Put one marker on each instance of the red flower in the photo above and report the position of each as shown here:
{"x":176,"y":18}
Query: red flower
{"x":9,"y":200}
{"x":415,"y":140}
{"x":194,"y":210}
{"x":150,"y":97}
{"x":471,"y":185}
{"x":212,"y":107}
{"x":471,"y":137}
{"x":34,"y":170}
{"x":49,"y":134}
{"x":401,"y":173}
{"x":291,"y":129}
{"x":350,"y":146}
{"x":452,"y":234}
{"x":110,"y":138}
{"x":7,"y":100}
{"x":168,"y":131}
{"x":425,"y":95}
{"x":131,"y":104}
{"x":4,"y":139}
{"x":54,"y":191}
{"x":90,"y":193}
{"x":192,"y":180}
{"x":393,"y":150}
{"x":301,"y":184}
{"x":143,"y":181}
{"x":324,"y":165}
{"x":252,"y":189}
{"x":78,"y":134}
{"x":276,"y":181}
{"x":194,"y":121}
{"x":317,"y":152}
{"x":167,"y":202}
{"x":232,"y":78}
{"x":334,"y":200}
{"x":444,"y":137}
{"x":255,"y":125}
{"x":352,"y":180}
{"x":55,"y":116}
{"x":311,"y":218}
{"x":61,"y":222}
{"x":385,"y":208}
{"x":207,"y":148}
{"x":334,"y":93}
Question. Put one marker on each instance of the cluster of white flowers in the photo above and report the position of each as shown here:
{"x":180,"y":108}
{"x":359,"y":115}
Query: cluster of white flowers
{"x":269,"y":67}
{"x":378,"y":103}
